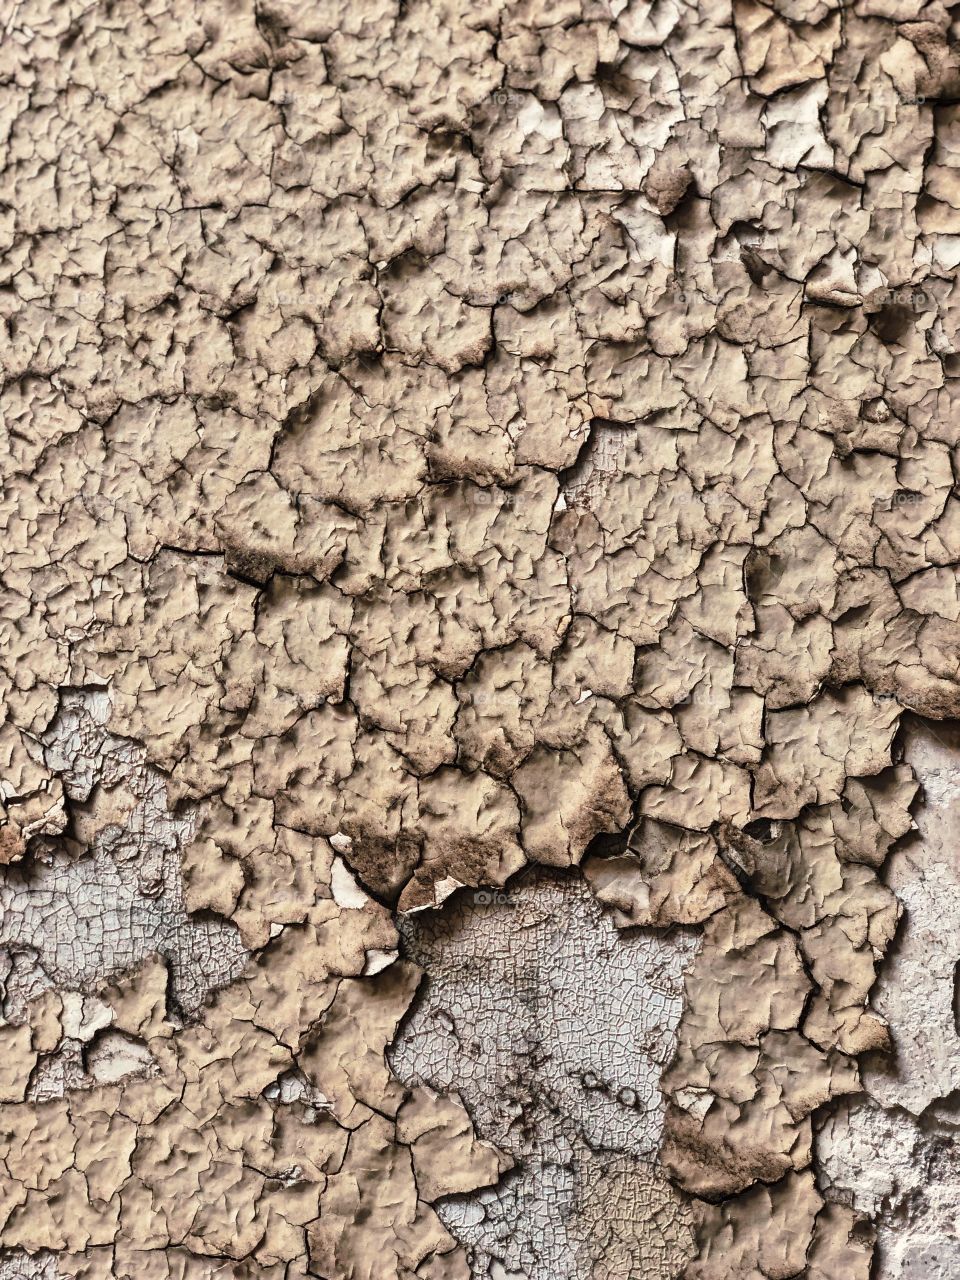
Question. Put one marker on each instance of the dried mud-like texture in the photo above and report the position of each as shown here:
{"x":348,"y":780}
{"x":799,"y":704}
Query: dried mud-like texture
{"x":440,"y":438}
{"x":554,"y":1032}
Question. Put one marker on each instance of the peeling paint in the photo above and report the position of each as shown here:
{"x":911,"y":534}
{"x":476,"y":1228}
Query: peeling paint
{"x":442,"y":441}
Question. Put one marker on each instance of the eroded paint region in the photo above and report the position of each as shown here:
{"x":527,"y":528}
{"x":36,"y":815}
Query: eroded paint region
{"x":16,"y":1264}
{"x":110,"y":893}
{"x":101,"y":899}
{"x":904,"y":1172}
{"x":555,"y":1030}
{"x":894,"y":1154}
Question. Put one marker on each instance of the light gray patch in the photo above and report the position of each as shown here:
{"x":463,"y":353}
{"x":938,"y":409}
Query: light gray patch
{"x":83,"y":908}
{"x":894,"y":1154}
{"x":17,"y":1264}
{"x":57,"y":1073}
{"x":904,"y":1173}
{"x":554,"y":1029}
{"x":600,"y":463}
{"x":114,"y":1056}
{"x":916,"y":988}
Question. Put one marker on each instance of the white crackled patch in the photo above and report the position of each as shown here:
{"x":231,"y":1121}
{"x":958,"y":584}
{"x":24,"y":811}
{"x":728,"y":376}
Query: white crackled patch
{"x":109,"y":892}
{"x":554,"y":1029}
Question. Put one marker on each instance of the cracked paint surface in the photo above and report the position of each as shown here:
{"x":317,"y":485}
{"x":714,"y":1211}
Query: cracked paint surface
{"x":441,"y":439}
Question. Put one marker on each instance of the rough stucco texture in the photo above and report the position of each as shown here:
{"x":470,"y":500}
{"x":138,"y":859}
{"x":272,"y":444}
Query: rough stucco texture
{"x":448,"y":445}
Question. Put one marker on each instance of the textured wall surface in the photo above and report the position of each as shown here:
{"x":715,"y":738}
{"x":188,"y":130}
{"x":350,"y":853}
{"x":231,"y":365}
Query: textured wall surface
{"x":479,"y":448}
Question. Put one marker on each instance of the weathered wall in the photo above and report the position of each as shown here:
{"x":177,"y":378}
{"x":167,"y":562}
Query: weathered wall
{"x":438,"y":440}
